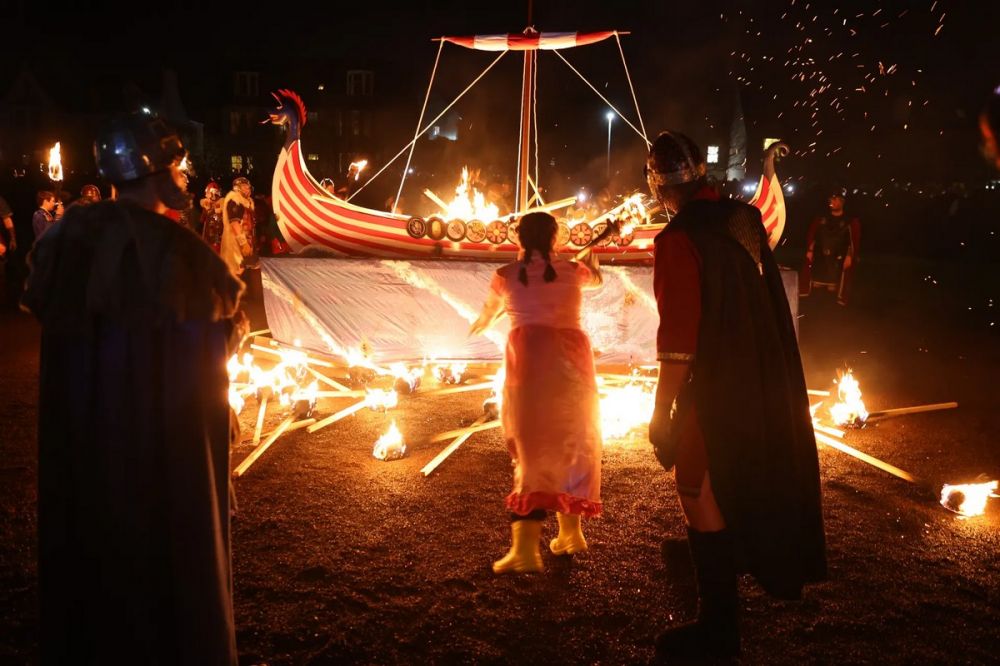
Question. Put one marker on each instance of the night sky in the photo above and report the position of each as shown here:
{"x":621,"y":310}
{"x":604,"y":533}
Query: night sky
{"x":864,"y":92}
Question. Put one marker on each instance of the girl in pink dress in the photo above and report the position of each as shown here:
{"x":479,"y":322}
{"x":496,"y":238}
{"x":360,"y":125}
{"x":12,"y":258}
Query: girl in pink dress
{"x":550,"y":406}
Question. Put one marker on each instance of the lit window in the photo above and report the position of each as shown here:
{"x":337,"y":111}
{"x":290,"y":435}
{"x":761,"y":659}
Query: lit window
{"x":237,"y":162}
{"x":313,"y":157}
{"x":713,"y":155}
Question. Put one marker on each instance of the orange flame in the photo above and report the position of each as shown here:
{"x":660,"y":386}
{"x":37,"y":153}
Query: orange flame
{"x":469,"y":203}
{"x":850,"y":408}
{"x":968,"y":500}
{"x":55,"y":163}
{"x":357,"y":168}
{"x":390,"y":446}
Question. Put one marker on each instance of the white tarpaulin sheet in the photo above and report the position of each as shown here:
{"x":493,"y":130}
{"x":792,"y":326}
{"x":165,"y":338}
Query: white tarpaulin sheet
{"x":411,"y":310}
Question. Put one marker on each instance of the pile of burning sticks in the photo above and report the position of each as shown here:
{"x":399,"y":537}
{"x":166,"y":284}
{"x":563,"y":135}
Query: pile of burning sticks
{"x":303,"y":386}
{"x":967,"y":500}
{"x":292,"y":386}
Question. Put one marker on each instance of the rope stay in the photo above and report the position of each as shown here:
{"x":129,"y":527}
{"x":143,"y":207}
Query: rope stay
{"x":430,"y":124}
{"x":420,"y":121}
{"x":603,"y":98}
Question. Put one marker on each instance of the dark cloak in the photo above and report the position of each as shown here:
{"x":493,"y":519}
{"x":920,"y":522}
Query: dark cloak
{"x":134,"y":548}
{"x":750,"y":398}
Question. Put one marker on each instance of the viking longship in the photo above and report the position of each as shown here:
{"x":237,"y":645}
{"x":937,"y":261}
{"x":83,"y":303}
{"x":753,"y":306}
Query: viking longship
{"x":312,"y":218}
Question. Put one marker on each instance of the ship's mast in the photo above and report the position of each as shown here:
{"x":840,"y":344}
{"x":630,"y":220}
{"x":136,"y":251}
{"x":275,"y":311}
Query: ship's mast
{"x":527,"y":102}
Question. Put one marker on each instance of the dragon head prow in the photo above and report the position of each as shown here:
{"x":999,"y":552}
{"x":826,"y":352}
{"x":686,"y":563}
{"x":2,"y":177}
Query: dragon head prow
{"x":292,"y":114}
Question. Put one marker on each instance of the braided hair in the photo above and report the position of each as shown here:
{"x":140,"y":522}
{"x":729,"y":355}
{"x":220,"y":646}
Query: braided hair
{"x":536,"y":231}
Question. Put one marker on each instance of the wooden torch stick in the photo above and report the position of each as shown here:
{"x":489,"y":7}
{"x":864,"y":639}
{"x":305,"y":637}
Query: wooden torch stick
{"x":900,"y":411}
{"x":309,"y":359}
{"x":481,"y":386}
{"x":257,"y":452}
{"x":451,"y":434}
{"x":437,"y":200}
{"x":450,"y":449}
{"x":826,"y":430}
{"x":261,"y":411}
{"x":333,"y":418}
{"x":326,"y":380}
{"x":864,"y":457}
{"x":822,"y":394}
{"x":359,"y":393}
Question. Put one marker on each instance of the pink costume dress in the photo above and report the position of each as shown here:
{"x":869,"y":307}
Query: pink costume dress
{"x":550,"y":406}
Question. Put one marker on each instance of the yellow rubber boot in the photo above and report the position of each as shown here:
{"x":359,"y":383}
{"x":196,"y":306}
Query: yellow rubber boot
{"x":570,"y":540}
{"x":524,"y":555}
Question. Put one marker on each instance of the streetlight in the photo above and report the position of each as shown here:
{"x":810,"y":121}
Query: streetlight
{"x":610,"y":116}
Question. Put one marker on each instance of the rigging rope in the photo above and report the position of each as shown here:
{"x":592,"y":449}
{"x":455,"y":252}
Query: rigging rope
{"x":430,"y":124}
{"x":420,"y":120}
{"x":605,"y":99}
{"x":630,"y":87}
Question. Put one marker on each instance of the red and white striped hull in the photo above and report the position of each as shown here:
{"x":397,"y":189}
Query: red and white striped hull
{"x":310,"y":218}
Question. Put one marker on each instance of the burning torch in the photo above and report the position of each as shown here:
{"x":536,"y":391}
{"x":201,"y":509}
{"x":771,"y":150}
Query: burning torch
{"x":56,"y":169}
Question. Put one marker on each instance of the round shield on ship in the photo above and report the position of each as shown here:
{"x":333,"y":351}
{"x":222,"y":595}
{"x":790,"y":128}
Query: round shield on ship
{"x":436,"y":228}
{"x":475,"y":231}
{"x":496,"y":232}
{"x":512,"y":232}
{"x":456,"y":230}
{"x":416,"y":227}
{"x":621,"y":240}
{"x":598,"y":230}
{"x":581,"y":234}
{"x":562,"y":236}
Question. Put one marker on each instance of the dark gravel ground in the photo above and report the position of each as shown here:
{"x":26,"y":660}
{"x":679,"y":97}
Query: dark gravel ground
{"x":340,"y":558}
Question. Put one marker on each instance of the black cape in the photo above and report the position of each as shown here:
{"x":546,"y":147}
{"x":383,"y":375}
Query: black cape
{"x":134,"y":550}
{"x":750,"y":397}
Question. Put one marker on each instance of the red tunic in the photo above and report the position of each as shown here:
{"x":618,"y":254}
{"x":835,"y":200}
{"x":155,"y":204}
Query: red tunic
{"x":677,"y":286}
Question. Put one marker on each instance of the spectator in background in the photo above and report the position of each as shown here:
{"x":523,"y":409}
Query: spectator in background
{"x":832,"y":245}
{"x":989,"y":127}
{"x":8,"y":239}
{"x":44,"y":217}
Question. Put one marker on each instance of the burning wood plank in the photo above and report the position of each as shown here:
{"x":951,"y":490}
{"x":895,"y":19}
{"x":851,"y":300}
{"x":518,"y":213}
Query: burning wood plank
{"x":452,"y":434}
{"x":917,"y":409}
{"x":327,"y":380}
{"x":451,"y":448}
{"x":464,"y":388}
{"x":261,"y":411}
{"x":242,"y":468}
{"x":864,"y":457}
{"x":333,"y":418}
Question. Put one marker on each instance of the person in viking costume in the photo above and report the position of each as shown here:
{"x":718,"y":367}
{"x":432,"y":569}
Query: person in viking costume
{"x":732,"y":414}
{"x":138,"y":317}
{"x":239,"y":227}
{"x":833,"y":243}
{"x":550,"y":405}
{"x":211,"y":216}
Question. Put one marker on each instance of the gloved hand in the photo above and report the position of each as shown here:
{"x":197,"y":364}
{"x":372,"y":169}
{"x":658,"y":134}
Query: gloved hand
{"x":664,"y":446}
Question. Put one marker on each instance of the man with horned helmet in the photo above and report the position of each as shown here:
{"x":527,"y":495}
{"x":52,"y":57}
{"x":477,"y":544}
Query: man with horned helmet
{"x":138,"y":318}
{"x":732,"y":415}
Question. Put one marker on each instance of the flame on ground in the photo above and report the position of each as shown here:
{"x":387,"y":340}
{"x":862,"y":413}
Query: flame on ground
{"x":451,"y":373}
{"x":968,"y":500}
{"x":469,"y":203}
{"x":390,"y":446}
{"x":850,"y":408}
{"x":623,"y":409}
{"x":380,"y":400}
